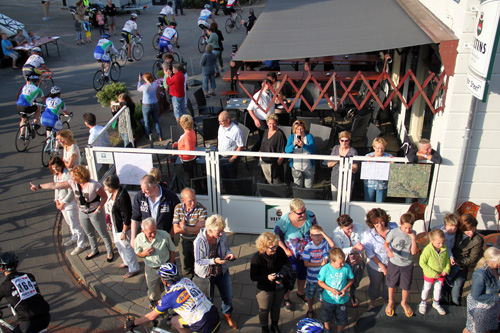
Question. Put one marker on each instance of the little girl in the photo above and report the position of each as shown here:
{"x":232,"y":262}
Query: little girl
{"x":86,"y":26}
{"x":435,"y":262}
{"x":100,"y":22}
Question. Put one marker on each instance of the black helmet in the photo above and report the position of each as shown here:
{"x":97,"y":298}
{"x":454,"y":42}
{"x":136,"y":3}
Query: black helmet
{"x":33,"y":78}
{"x":8,"y":261}
{"x":173,"y":24}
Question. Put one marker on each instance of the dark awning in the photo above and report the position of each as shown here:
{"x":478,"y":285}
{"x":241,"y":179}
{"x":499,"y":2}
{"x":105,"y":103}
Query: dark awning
{"x":299,"y":29}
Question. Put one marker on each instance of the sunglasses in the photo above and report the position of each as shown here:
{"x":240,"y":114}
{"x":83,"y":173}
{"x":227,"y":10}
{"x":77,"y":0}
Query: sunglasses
{"x":301,"y":213}
{"x":345,"y":140}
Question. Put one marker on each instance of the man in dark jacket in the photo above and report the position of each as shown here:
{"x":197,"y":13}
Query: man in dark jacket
{"x":424,"y":152}
{"x":155,"y":201}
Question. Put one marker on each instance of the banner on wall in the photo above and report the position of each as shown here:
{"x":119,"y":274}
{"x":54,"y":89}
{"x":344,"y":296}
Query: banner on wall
{"x":273,"y":215}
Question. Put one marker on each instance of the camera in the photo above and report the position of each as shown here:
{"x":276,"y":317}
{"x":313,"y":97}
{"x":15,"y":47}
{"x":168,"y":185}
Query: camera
{"x":278,"y":278}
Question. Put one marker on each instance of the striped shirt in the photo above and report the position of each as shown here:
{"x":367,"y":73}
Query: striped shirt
{"x":198,"y":213}
{"x":315,"y":255}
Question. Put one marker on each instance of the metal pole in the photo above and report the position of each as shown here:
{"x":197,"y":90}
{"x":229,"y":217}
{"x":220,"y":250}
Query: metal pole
{"x":464,"y":153}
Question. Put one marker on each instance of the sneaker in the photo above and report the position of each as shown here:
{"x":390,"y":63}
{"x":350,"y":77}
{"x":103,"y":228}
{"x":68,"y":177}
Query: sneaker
{"x":37,"y":126}
{"x":22,"y":137}
{"x":130,"y":60}
{"x":422,"y":308}
{"x":438,"y":308}
{"x":158,"y":56}
{"x":69,"y":242}
{"x":77,"y":250}
{"x":106,"y":74}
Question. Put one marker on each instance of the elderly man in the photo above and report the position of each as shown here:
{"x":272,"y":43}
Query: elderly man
{"x":424,"y":152}
{"x":229,"y":138}
{"x":189,"y":218}
{"x":156,"y":248}
{"x":156,"y":201}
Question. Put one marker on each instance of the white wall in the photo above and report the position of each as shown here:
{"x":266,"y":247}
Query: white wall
{"x":482,"y":173}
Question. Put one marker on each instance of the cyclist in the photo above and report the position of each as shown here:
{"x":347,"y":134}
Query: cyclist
{"x":54,"y":107}
{"x":165,"y":11}
{"x":34,"y":64}
{"x":104,"y":45}
{"x":129,"y":28}
{"x":205,"y":14}
{"x":309,"y":325}
{"x":26,"y":101}
{"x":230,"y":9}
{"x":22,"y":293}
{"x":195,"y":312}
{"x":165,"y":40}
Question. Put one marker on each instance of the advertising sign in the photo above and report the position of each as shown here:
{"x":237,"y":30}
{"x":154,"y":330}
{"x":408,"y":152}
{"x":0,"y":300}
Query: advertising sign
{"x":476,"y":85}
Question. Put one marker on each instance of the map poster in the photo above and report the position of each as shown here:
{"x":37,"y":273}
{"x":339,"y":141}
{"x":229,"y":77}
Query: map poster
{"x":409,"y":180}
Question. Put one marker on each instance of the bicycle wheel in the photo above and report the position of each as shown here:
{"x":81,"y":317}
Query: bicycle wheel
{"x":229,"y":25}
{"x":22,"y":142}
{"x":177,"y":57}
{"x":156,"y":41}
{"x":157,"y":67}
{"x":65,"y":125}
{"x":114,"y":71}
{"x":122,"y":57}
{"x":201,"y":44}
{"x":138,"y":51}
{"x":98,"y":80}
{"x":46,"y":85}
{"x":47,"y":151}
{"x":237,"y":21}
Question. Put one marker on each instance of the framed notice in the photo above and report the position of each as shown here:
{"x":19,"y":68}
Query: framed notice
{"x":130,"y":168}
{"x":409,"y":180}
{"x":273,"y":215}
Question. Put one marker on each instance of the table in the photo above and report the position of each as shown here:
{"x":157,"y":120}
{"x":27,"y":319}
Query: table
{"x":352,"y":59}
{"x":242,"y":103}
{"x":42,"y":41}
{"x":259,"y":76}
{"x":343,"y":76}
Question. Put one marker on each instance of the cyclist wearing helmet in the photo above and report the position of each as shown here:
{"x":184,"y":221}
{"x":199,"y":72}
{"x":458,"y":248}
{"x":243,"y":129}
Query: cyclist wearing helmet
{"x":165,"y":40}
{"x":54,"y":107}
{"x":230,"y":9}
{"x":35,"y":63}
{"x":129,"y":28}
{"x":27,"y":98}
{"x":195,"y":313}
{"x":22,"y":293}
{"x":205,"y":14}
{"x":309,"y":325}
{"x":165,"y":11}
{"x":104,"y":46}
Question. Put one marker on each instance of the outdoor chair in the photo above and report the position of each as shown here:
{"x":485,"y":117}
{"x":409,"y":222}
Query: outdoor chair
{"x":272,"y":190}
{"x":310,"y":193}
{"x":239,"y":186}
{"x":468,"y":207}
{"x":245,"y":132}
{"x":203,"y":108}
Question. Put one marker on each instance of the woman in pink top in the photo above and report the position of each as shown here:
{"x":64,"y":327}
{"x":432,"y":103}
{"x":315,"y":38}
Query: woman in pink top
{"x":187,"y":141}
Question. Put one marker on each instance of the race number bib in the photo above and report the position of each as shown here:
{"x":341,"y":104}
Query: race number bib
{"x":24,"y":286}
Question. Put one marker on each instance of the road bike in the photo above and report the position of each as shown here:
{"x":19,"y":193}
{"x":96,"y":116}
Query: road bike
{"x":156,"y":37}
{"x":100,"y":78}
{"x":45,"y":83}
{"x":136,"y":50}
{"x":157,"y":65}
{"x":49,"y":149}
{"x":202,"y":43}
{"x":27,"y":131}
{"x":6,"y":325}
{"x":234,"y":23}
{"x":155,"y":328}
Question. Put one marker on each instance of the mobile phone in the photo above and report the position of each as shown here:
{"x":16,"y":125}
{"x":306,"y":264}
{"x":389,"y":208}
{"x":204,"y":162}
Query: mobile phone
{"x":299,"y":137}
{"x":140,"y":73}
{"x":234,"y":258}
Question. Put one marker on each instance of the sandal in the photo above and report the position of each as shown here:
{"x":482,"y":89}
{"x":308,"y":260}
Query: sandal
{"x":92,"y":255}
{"x":130,"y":274}
{"x":122,"y":266}
{"x":408,"y":312}
{"x":302,"y":297}
{"x":389,"y":311}
{"x":207,"y":96}
{"x":354,"y":302}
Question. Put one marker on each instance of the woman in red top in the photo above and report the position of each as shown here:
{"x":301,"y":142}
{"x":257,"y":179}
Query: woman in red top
{"x":175,"y":81}
{"x":187,"y":141}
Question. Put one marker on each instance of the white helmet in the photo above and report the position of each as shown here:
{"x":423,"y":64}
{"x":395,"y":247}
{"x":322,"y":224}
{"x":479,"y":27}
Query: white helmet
{"x":133,"y":16}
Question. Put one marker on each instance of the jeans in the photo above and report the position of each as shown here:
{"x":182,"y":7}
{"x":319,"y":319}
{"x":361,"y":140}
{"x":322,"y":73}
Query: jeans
{"x":377,"y":280}
{"x":178,"y":6}
{"x":126,"y":251}
{"x":373,"y":195}
{"x":206,"y":79}
{"x":90,"y":223}
{"x":70,"y":214}
{"x":187,"y":257}
{"x":179,"y":105}
{"x":214,"y":4}
{"x":457,"y":285}
{"x":229,"y":169}
{"x":223,"y":283}
{"x":147,"y":110}
{"x":216,"y":52}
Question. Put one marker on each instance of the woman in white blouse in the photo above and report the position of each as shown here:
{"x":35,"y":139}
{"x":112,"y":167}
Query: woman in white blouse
{"x":71,"y":155}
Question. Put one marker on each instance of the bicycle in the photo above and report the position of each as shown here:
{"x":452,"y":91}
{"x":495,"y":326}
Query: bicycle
{"x":157,"y":65}
{"x":202,"y":43}
{"x":155,"y":329}
{"x":49,"y":149}
{"x":136,"y":50}
{"x":230,"y":23}
{"x":45,"y":83}
{"x":100,"y":79}
{"x":27,"y":131}
{"x":156,"y":37}
{"x":5,"y":324}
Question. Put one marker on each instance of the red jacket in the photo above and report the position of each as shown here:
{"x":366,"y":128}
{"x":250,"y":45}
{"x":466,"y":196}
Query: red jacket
{"x":176,"y":84}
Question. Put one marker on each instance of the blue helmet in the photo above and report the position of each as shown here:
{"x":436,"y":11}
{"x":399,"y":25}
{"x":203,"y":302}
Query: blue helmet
{"x":33,"y":78}
{"x":105,"y":35}
{"x":309,"y":325}
{"x":169,"y":272}
{"x":207,"y":6}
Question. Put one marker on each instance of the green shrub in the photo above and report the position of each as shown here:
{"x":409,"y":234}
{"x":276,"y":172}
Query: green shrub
{"x":110,"y":93}
{"x":137,"y":118}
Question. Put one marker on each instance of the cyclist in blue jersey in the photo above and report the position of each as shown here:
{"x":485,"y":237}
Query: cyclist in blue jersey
{"x":165,"y":11}
{"x":27,"y":98}
{"x":54,"y":107}
{"x":195,"y":313}
{"x":101,"y":52}
{"x":169,"y":34}
{"x":205,"y":14}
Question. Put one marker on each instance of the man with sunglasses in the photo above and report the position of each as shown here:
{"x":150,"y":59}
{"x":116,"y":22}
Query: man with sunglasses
{"x":293,"y":229}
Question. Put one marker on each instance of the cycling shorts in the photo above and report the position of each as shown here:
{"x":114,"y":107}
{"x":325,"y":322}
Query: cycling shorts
{"x":30,"y":70}
{"x":203,"y":24}
{"x":162,"y":19}
{"x":49,"y":119}
{"x":24,"y":111}
{"x":127,"y":36}
{"x":102,"y":56}
{"x":209,"y":323}
{"x":230,"y":10}
{"x":165,"y":46}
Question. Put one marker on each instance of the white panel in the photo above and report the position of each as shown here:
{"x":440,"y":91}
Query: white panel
{"x":460,"y":104}
{"x":488,"y":120}
{"x":485,"y":139}
{"x":447,"y":173}
{"x":454,"y":139}
{"x":444,"y":190}
{"x":485,"y":157}
{"x":482,"y":174}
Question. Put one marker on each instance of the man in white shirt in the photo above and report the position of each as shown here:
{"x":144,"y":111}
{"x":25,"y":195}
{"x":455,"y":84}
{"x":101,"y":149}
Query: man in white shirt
{"x":259,"y":112}
{"x":229,"y":138}
{"x":102,"y":141}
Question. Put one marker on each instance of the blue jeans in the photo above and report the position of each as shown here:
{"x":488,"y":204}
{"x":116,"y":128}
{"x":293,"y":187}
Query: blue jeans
{"x":223,"y":283}
{"x":178,"y":6}
{"x":179,"y":105}
{"x":216,"y":52}
{"x":458,"y":277}
{"x":147,"y":110}
{"x":373,"y":195}
{"x":206,"y":79}
{"x":214,"y":4}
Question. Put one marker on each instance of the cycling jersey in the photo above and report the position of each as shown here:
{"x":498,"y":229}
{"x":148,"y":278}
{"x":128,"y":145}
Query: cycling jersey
{"x":35,"y":61}
{"x":130,"y":26}
{"x":103,"y":46}
{"x":29,"y":94}
{"x":55,"y":105}
{"x":167,"y":10}
{"x":205,"y":14}
{"x":230,"y":3}
{"x":166,"y":38}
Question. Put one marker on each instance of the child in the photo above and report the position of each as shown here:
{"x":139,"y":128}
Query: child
{"x":435,"y":263}
{"x":315,"y":256}
{"x":78,"y":30}
{"x":335,"y":278}
{"x":86,"y":26}
{"x":450,"y":229}
{"x":32,"y":36}
{"x":401,"y":246}
{"x":100,"y":22}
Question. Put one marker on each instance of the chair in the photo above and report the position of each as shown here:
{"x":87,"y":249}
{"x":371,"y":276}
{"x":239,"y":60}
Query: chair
{"x":248,"y":86}
{"x":468,"y":207}
{"x":418,"y":210}
{"x":199,"y":185}
{"x":210,"y":129}
{"x":175,"y":134}
{"x":203,"y":108}
{"x":321,"y":136}
{"x":245,"y":132}
{"x":359,"y":129}
{"x":309,"y":120}
{"x":197,"y":119}
{"x":492,"y":239}
{"x":272,"y":190}
{"x":287,"y":130}
{"x":310,"y":193}
{"x":240,"y":186}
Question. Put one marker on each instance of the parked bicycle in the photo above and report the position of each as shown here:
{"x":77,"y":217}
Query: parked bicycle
{"x":136,"y":50}
{"x":234,"y":23}
{"x":27,"y":131}
{"x":157,"y":65}
{"x":49,"y":149}
{"x":45,"y":83}
{"x":100,"y":78}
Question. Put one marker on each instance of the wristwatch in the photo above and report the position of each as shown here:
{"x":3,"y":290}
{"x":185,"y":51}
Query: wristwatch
{"x":426,"y":155}
{"x":185,"y":227}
